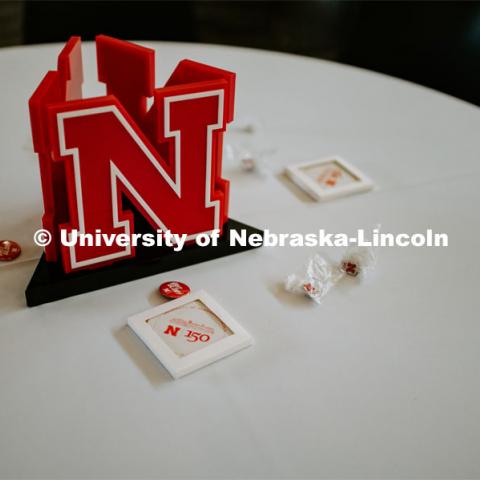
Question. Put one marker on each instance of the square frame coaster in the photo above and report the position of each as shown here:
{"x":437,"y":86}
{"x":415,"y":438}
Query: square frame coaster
{"x":329,"y":178}
{"x":184,"y":345}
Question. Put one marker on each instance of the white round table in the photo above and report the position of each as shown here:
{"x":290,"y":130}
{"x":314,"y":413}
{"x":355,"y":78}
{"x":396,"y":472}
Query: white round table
{"x":380,"y":381}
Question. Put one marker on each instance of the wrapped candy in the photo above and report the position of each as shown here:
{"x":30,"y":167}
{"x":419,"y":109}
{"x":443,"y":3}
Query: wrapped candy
{"x":247,"y":157}
{"x":249,"y":149}
{"x":321,"y":275}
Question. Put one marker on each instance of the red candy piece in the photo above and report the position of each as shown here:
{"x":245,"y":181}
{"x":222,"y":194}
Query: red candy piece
{"x":9,"y":250}
{"x":350,"y":268}
{"x":309,"y":288}
{"x":173,"y":289}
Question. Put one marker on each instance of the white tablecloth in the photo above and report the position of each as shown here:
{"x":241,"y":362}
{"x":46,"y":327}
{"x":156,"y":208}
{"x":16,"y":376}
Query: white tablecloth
{"x":380,"y":381}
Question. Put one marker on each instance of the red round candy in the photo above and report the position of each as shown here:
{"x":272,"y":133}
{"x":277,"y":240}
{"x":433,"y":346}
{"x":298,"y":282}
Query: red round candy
{"x":9,"y":250}
{"x":174,"y":289}
{"x":350,"y":268}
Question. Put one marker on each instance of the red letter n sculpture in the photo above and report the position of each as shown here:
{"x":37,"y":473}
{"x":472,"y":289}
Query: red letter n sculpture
{"x":166,"y":159}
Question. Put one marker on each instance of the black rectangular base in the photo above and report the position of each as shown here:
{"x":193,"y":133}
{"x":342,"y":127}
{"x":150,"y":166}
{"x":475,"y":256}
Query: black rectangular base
{"x":50,"y":283}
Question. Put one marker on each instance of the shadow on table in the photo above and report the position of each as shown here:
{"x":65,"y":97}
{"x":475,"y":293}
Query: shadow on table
{"x":155,"y":298}
{"x":297,"y":191}
{"x":14,"y":278}
{"x":289,"y":298}
{"x":145,"y":361}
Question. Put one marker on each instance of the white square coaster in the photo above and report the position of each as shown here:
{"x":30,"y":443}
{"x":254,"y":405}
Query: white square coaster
{"x":190,"y":332}
{"x":329,"y":178}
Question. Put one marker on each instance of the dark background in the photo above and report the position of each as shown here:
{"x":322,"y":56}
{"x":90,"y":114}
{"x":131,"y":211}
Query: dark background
{"x":436,"y":44}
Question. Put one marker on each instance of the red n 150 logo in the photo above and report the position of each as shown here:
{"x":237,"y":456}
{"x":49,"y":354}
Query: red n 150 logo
{"x":191,"y":336}
{"x":165,"y":159}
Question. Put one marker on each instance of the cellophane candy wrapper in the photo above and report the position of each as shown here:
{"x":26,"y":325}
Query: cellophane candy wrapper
{"x":247,"y":157}
{"x":317,"y":279}
{"x":320,"y":275}
{"x":249,"y":148}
